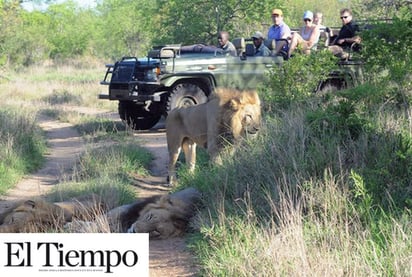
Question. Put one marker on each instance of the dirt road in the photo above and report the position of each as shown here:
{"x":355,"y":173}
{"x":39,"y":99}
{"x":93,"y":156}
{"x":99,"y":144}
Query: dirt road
{"x":167,"y":257}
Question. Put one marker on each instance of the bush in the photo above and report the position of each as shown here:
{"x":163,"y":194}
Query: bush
{"x":296,"y":79}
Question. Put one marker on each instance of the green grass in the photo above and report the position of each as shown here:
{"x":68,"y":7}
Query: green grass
{"x":107,"y":171}
{"x":22,"y":146}
{"x":324,"y":190}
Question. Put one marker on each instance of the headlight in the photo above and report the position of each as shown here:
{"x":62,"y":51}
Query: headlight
{"x":151,"y":74}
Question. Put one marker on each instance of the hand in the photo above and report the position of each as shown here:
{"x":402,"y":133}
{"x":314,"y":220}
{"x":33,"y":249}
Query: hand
{"x":357,"y":39}
{"x":341,"y":41}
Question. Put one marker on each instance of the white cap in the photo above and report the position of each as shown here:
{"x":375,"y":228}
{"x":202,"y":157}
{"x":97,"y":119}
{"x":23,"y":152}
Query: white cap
{"x":258,"y":35}
{"x":308,"y":15}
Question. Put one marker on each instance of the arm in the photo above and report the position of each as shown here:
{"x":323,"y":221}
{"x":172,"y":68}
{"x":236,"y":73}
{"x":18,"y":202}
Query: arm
{"x":314,"y":37}
{"x":355,"y":39}
{"x":286,"y":32}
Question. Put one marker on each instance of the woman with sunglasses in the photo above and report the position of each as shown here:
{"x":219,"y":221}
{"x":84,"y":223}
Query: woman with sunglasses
{"x":347,"y":34}
{"x":307,"y":37}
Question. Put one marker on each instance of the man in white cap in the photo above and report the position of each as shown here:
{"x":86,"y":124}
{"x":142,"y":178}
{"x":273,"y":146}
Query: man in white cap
{"x":260,"y":48}
{"x":307,"y":37}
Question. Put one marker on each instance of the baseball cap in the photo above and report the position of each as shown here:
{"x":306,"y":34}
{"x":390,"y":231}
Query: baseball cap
{"x":277,"y":11}
{"x":258,"y":35}
{"x":308,"y":14}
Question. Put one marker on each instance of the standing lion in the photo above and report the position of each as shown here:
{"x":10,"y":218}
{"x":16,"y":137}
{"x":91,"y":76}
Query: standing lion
{"x":225,"y":119}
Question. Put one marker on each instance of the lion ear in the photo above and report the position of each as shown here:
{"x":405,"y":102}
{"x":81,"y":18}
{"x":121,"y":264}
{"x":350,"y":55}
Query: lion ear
{"x":234,"y":104}
{"x":165,"y":199}
{"x":30,"y":203}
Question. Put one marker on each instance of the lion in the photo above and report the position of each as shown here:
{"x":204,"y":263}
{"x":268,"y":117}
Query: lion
{"x":169,"y":216}
{"x":38,"y":215}
{"x":162,"y":216}
{"x":225,"y":119}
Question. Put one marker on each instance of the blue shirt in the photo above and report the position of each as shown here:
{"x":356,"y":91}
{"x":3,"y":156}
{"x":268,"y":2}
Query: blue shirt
{"x":278,"y":32}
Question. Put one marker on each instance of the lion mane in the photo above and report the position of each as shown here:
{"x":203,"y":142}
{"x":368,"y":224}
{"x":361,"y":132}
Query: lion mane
{"x":228,"y":117}
{"x":162,"y":216}
{"x":165,"y":218}
{"x":38,"y":215}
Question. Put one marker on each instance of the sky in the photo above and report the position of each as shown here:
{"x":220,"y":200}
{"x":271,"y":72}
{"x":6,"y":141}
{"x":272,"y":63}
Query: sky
{"x":82,"y":3}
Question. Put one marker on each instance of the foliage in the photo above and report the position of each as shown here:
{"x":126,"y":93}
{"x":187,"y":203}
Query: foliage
{"x":330,"y":190}
{"x":199,"y":21}
{"x":70,"y":36}
{"x":297,"y":79}
{"x":383,"y":45}
{"x":116,"y":28}
{"x":379,"y":9}
{"x":125,"y":28}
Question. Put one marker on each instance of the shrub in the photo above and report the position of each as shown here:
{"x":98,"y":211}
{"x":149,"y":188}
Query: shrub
{"x":296,"y":79}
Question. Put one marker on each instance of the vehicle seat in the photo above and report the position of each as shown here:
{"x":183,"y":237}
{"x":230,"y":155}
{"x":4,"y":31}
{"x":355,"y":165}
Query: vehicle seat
{"x":240,"y":45}
{"x":250,"y":49}
{"x":324,"y":38}
{"x":271,"y":44}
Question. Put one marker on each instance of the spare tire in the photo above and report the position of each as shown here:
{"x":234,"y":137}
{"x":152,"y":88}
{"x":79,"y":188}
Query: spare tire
{"x":184,"y":95}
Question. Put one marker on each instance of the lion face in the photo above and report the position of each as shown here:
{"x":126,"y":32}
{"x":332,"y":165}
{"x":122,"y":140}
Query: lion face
{"x":37,"y":215}
{"x":246,"y":117}
{"x":158,"y":223}
{"x":161,"y":220}
{"x":250,"y":119}
{"x":33,"y":215}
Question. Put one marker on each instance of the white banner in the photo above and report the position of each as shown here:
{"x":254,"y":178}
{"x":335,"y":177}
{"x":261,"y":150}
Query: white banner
{"x":68,"y":254}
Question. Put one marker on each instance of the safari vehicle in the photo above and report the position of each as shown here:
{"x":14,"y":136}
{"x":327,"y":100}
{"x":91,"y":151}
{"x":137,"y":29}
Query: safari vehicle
{"x":176,"y":76}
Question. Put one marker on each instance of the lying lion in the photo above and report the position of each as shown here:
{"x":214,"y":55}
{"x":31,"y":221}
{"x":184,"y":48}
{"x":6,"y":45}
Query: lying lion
{"x":38,"y":215}
{"x":169,"y":216}
{"x":161,"y":216}
{"x":225,"y":119}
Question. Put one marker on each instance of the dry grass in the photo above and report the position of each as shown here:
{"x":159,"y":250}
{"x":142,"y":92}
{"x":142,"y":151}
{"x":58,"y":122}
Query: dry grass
{"x":69,"y":91}
{"x":295,"y":203}
{"x":318,"y":235}
{"x":49,"y":85}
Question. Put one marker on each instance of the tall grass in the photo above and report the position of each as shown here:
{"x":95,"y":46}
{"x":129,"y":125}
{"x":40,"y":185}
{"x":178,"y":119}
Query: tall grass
{"x":320,"y":234}
{"x":22,"y":145}
{"x":324,"y":190}
{"x":51,"y":84}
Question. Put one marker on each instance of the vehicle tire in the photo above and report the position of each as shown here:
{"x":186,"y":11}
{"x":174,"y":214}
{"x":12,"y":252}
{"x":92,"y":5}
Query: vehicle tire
{"x":184,"y":95}
{"x":136,"y":117}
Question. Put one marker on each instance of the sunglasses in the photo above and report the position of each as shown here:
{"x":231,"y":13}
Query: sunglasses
{"x":307,"y":19}
{"x":342,"y":17}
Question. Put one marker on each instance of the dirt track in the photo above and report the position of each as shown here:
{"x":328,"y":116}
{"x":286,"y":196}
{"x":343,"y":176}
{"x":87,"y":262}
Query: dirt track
{"x":167,"y":257}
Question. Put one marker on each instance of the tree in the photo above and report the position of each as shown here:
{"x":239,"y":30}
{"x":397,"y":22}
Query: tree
{"x":199,"y":21}
{"x":125,"y":27}
{"x":69,"y":30}
{"x":10,"y":21}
